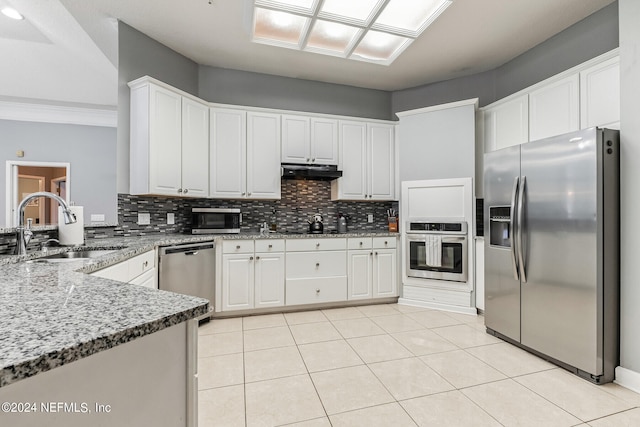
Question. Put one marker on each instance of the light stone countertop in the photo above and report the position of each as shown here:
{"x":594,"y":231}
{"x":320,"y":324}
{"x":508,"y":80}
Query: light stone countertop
{"x":52,"y":314}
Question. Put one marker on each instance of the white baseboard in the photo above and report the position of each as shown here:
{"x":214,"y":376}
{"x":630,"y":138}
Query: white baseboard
{"x":628,"y":378}
{"x":436,"y":306}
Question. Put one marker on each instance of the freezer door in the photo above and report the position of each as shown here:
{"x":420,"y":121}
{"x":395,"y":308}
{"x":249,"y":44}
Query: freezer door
{"x":559,"y":243}
{"x":502,"y":286}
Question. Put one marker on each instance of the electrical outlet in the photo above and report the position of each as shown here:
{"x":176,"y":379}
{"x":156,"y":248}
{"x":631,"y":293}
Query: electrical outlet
{"x":144,"y":218}
{"x":171,"y":218}
{"x":370,"y":218}
{"x":97,"y":217}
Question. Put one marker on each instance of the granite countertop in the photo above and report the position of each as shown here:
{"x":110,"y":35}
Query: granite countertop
{"x":55,"y":313}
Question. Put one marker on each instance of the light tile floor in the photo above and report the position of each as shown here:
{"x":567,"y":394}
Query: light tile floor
{"x":388,"y":365}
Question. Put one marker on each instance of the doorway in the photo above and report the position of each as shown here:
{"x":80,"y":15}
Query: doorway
{"x":24,"y":178}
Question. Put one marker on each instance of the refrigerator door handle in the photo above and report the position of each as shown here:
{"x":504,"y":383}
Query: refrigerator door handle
{"x":521,"y":236}
{"x":512,"y":227}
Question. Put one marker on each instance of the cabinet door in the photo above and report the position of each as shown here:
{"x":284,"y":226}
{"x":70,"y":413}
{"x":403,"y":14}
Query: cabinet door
{"x":553,"y":109}
{"x":507,"y":124}
{"x":324,"y":141}
{"x":353,"y":161}
{"x":269,"y":280}
{"x":295,"y":139}
{"x":385,"y":273}
{"x":381,"y":162}
{"x":359,"y":274}
{"x":165,"y":134}
{"x":195,"y":149}
{"x":600,"y":95}
{"x":263,"y":156}
{"x":237,"y":282}
{"x":227,"y":153}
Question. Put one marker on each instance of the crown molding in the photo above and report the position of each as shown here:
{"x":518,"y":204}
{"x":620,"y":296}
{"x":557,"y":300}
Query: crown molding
{"x":47,"y":113}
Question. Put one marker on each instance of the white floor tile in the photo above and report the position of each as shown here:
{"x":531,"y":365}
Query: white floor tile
{"x":433,"y":318}
{"x":397,"y":323}
{"x":509,"y":359}
{"x":329,"y":355}
{"x":391,"y":414}
{"x":221,"y":407}
{"x":409,"y":378}
{"x":263,"y":321}
{"x":216,"y":326}
{"x":342,"y":313}
{"x":261,"y":339}
{"x":449,"y":409}
{"x":220,"y":371}
{"x":352,"y":328}
{"x":378,"y":310}
{"x":314,"y":332}
{"x":218,"y":344}
{"x":461,"y":369}
{"x":378,"y":348}
{"x":301,"y":317}
{"x":629,"y":418}
{"x":465,"y":336}
{"x":423,"y":342}
{"x":273,"y":363}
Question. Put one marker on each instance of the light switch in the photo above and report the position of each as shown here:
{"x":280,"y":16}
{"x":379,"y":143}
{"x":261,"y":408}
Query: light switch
{"x":144,"y":218}
{"x":171,"y":218}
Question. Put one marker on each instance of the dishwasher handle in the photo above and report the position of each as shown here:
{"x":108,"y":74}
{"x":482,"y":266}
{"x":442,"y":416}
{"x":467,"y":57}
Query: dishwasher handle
{"x":187,"y":250}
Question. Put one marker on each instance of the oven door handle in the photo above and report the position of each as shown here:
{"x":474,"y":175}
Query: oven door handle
{"x":453,"y":239}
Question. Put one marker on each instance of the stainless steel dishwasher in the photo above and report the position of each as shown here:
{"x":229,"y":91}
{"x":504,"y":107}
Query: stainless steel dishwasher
{"x":188,"y":269}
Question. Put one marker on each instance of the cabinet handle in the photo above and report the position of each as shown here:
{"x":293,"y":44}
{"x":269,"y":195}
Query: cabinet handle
{"x":145,"y":264}
{"x":307,"y":159}
{"x":257,"y":258}
{"x":186,"y":190}
{"x":179,"y":190}
{"x":386,"y":243}
{"x":237,"y":246}
{"x":370,"y":253}
{"x":243,"y":193}
{"x":317,"y":264}
{"x":270,"y":246}
{"x":248,"y":194}
{"x":376,"y":253}
{"x":317,"y":245}
{"x":360,"y":243}
{"x":317,"y":291}
{"x":313,"y":160}
{"x":250,"y":258}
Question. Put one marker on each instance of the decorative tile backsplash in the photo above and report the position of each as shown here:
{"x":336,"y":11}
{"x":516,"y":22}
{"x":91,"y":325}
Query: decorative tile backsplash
{"x":300,"y":201}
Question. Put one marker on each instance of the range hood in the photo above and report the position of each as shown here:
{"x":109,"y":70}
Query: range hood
{"x":317,"y":172}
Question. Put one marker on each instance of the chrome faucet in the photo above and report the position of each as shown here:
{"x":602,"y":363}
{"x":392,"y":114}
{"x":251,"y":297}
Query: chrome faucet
{"x":24,"y":234}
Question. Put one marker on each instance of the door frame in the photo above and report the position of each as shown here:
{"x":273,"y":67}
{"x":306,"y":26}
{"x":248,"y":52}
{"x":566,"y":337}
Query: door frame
{"x":11,"y":189}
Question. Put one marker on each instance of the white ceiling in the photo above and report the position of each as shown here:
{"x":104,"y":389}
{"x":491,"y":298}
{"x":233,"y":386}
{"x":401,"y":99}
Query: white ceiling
{"x":69,"y":51}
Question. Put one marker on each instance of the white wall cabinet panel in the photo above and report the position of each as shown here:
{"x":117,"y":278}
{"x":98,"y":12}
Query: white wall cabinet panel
{"x":195,"y":149}
{"x":554,"y":108}
{"x":269,"y":280}
{"x":385,"y":273}
{"x":169,"y":142}
{"x":324,"y":141}
{"x":600,"y":95}
{"x":237,"y":282}
{"x":296,"y":139}
{"x":227,"y":160}
{"x":263,"y":156}
{"x":507,"y":124}
{"x":359,"y":278}
{"x":381,"y":162}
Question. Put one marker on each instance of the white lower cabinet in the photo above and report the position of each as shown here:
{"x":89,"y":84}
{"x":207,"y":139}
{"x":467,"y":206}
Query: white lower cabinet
{"x":139,"y":270}
{"x":252,"y":274}
{"x":373,"y":268}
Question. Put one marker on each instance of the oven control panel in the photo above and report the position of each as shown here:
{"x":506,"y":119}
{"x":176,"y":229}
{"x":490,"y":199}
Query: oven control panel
{"x":437,"y":227}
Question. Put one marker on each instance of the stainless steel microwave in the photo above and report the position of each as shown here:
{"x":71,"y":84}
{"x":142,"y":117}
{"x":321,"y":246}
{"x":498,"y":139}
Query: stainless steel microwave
{"x":215,"y":220}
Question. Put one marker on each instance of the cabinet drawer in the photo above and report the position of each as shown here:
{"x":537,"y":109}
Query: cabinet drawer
{"x":316,"y":264}
{"x":141,"y":264}
{"x":311,"y":291}
{"x":359,"y":243}
{"x":385,"y":242}
{"x":270,"y":245}
{"x":306,"y":245}
{"x":119,"y":272}
{"x":237,"y":246}
{"x":148,"y":279}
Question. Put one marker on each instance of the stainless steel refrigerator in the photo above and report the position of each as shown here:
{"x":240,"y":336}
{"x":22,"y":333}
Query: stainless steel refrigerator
{"x":551,"y":214}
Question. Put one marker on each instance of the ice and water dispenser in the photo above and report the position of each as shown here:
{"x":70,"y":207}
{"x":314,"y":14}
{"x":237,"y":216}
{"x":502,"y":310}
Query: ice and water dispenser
{"x":500,"y":226}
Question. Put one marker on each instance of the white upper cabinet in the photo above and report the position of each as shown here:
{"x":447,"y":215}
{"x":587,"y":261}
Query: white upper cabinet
{"x":507,"y":123}
{"x":600,"y":95}
{"x":245,"y":154}
{"x":309,"y":140}
{"x":169,"y":138}
{"x":263,"y":156}
{"x":554,"y":108}
{"x":367,"y":161}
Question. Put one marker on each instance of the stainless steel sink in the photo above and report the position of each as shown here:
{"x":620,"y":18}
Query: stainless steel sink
{"x":87,"y":253}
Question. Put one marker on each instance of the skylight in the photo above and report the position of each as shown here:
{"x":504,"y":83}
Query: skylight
{"x":366,"y":30}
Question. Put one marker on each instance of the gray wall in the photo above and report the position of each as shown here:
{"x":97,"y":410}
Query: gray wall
{"x":140,"y":55}
{"x":438,"y":144}
{"x":594,"y":35}
{"x":263,"y":90}
{"x":629,"y":179}
{"x":91,"y":151}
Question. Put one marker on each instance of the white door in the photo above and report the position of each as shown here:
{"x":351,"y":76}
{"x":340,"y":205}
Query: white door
{"x":359,"y":274}
{"x":507,"y":124}
{"x":295,"y":139}
{"x":263,"y":156}
{"x":269,"y":280}
{"x":353,"y":160}
{"x":237,"y":282}
{"x":324,"y":141}
{"x":554,"y":109}
{"x":600,"y":95}
{"x":385,"y":274}
{"x":195,"y":149}
{"x":227,"y":153}
{"x":381,"y":162}
{"x":165,"y":148}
